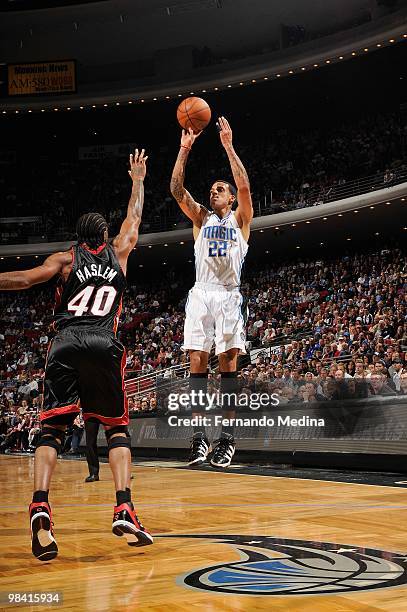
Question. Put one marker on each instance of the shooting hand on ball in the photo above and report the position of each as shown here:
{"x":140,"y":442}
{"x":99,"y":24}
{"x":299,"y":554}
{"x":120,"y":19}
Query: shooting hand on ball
{"x":138,"y":165}
{"x":188,"y":138}
{"x":225,"y":132}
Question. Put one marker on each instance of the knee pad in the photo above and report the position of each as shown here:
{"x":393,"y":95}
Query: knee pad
{"x":118,"y":441}
{"x":55,"y":438}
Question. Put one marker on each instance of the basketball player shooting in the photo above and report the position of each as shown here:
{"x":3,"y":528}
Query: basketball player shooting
{"x":85,"y":363}
{"x":215,"y":310}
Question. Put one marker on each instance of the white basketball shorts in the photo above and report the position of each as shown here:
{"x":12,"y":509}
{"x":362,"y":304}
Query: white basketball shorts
{"x":215,"y":314}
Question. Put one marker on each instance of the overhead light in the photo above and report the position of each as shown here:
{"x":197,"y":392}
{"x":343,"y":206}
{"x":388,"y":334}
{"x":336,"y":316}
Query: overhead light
{"x":30,"y":111}
{"x":377,"y":234}
{"x":266,"y":78}
{"x":340,"y":215}
{"x":267,"y":252}
{"x":189,"y":260}
{"x":321,"y":244}
{"x":308,"y":222}
{"x":348,"y":239}
{"x":388,"y":203}
{"x":372,"y":208}
{"x":355,"y":211}
{"x":155,"y":99}
{"x":253,"y":80}
{"x":131,"y":101}
{"x":81,"y":107}
{"x":36,"y":256}
{"x":182,"y":242}
{"x":276,"y":228}
{"x":164,"y":263}
{"x":4,"y":112}
{"x":353,"y":53}
{"x":291,"y":72}
{"x":149,"y":246}
{"x":140,"y":265}
{"x":55,"y":109}
{"x":324,"y":219}
{"x":93,"y":105}
{"x":204,"y":91}
{"x":240,"y":83}
{"x":297,"y":247}
{"x":216,"y":88}
{"x":68,"y":108}
{"x":302,"y":68}
{"x":105,"y":105}
{"x":179,"y":96}
{"x":191,"y":93}
{"x":402,"y":199}
{"x":365,"y":49}
{"x":341,"y":57}
{"x":315,"y":65}
{"x":261,"y":231}
{"x":141,"y":100}
{"x":293,"y":225}
{"x":229,"y":86}
{"x":165,"y":244}
{"x":378,"y":45}
{"x":18,"y":257}
{"x":278,"y":75}
{"x":405,"y":228}
{"x":17,"y":112}
{"x":391,"y":40}
{"x":43,"y":110}
{"x":327,"y":61}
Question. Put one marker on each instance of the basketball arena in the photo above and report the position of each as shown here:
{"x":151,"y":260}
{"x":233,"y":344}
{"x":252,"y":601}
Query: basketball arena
{"x":203,"y":332}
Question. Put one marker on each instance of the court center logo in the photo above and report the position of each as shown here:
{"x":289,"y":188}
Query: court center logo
{"x":273,"y":566}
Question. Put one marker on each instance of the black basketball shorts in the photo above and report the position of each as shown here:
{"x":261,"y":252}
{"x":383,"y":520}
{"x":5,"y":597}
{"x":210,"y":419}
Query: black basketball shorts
{"x":85,"y":368}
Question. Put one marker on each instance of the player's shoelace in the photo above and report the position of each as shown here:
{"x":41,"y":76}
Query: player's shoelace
{"x":199,"y":450}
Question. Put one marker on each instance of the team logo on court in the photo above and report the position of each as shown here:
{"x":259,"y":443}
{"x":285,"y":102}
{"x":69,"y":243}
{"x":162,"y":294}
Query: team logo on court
{"x":273,"y":566}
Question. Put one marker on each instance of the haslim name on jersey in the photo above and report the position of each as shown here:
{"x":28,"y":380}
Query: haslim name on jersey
{"x":96,"y":270}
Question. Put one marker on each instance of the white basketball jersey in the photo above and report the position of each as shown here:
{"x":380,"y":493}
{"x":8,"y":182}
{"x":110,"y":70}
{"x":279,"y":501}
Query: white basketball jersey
{"x":220,"y":250}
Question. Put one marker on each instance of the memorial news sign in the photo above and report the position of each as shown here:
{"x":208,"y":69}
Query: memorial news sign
{"x":41,"y":78}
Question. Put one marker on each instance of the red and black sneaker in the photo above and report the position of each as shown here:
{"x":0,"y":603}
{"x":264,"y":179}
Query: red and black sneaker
{"x":43,"y":543}
{"x":126,"y":523}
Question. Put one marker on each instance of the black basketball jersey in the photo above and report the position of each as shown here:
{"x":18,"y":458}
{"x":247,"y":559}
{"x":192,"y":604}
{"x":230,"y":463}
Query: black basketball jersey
{"x":92,"y":293}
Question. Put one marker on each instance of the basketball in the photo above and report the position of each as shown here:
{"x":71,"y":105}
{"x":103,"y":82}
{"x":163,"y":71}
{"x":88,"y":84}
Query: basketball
{"x":193,"y":113}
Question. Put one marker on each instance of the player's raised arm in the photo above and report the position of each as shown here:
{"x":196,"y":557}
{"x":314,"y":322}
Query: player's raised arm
{"x":128,"y":236}
{"x":244,"y":211}
{"x":188,"y":205}
{"x":24,"y":279}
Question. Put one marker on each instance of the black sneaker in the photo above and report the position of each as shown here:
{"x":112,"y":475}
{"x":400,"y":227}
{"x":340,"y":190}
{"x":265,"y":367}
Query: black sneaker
{"x":126,"y":523}
{"x":223,"y":451}
{"x":200,"y":449}
{"x":43,"y":543}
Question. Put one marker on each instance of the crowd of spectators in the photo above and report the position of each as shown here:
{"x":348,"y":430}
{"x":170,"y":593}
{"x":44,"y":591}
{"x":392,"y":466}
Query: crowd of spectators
{"x":321,"y":329}
{"x":287,"y":169}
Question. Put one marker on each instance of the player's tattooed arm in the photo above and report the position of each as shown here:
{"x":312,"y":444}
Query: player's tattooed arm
{"x":188,"y":205}
{"x":244,"y":210}
{"x":24,"y":279}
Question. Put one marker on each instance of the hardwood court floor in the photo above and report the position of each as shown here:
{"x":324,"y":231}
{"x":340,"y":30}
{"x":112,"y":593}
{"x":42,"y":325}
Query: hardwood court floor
{"x":97,"y":571}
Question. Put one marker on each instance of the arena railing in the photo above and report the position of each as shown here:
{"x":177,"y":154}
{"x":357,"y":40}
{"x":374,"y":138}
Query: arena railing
{"x":305,"y":198}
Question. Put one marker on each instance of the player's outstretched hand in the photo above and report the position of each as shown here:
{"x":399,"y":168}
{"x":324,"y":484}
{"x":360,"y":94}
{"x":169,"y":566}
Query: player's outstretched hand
{"x":225,"y":132}
{"x":188,"y":138}
{"x":138,"y":165}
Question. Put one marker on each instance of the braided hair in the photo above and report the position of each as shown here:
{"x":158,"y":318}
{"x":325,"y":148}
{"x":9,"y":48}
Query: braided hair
{"x":90,"y":228}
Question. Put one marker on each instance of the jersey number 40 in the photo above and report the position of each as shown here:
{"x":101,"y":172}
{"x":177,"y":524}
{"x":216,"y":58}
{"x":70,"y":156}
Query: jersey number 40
{"x":92,"y":300}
